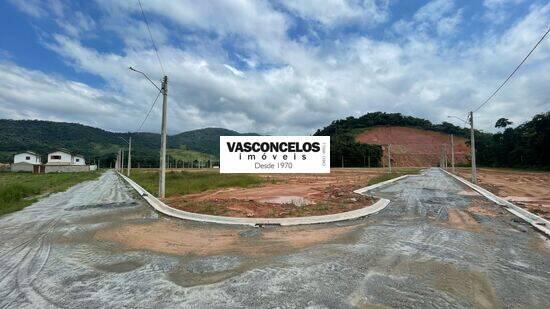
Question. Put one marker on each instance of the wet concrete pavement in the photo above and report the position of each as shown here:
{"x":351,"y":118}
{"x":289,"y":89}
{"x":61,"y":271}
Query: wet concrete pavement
{"x":427,"y":249}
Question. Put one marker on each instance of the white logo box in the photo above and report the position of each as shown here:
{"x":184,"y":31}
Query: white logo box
{"x":274,"y":154}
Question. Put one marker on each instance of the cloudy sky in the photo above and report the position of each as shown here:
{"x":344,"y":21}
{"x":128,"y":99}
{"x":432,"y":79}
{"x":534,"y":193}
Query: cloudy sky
{"x":273,"y":67}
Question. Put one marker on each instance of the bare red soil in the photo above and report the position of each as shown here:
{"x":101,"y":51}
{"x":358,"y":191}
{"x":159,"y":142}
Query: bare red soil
{"x":529,"y":190}
{"x":285,"y":195}
{"x":415,"y":147}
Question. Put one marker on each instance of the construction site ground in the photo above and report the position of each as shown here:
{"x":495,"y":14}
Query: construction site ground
{"x":527,"y":189}
{"x":436,"y":245}
{"x":286,"y":195}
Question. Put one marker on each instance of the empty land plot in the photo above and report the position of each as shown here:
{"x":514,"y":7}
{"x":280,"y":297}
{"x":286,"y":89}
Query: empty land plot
{"x":273,"y":195}
{"x":527,"y":189}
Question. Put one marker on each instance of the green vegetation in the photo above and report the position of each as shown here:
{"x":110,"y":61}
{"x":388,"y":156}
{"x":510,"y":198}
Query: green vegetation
{"x":394,"y":174}
{"x":184,"y":182}
{"x":190,"y":158}
{"x":343,"y":147}
{"x":18,"y":190}
{"x":526,"y":146}
{"x":96,"y":144}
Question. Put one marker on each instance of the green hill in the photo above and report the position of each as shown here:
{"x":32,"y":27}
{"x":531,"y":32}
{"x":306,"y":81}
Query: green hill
{"x":97,"y":144}
{"x":205,"y":140}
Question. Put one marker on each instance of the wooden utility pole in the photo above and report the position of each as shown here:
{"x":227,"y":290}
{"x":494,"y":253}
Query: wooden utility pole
{"x":162,"y":178}
{"x":473,"y":148}
{"x":452,"y":153}
{"x":129,"y":157}
{"x":445,"y":155}
{"x":389,"y":157}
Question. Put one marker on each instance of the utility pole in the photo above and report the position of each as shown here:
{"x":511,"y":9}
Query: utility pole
{"x":473,"y":147}
{"x":129,"y":157}
{"x":162,"y":178}
{"x":162,"y":165}
{"x":389,"y":157}
{"x":122,"y":161}
{"x":445,"y":155}
{"x":452,"y":153}
{"x":129,"y":166}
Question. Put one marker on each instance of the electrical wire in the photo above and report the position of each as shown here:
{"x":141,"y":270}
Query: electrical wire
{"x":151,"y":37}
{"x":147,"y":116}
{"x":513,"y":72}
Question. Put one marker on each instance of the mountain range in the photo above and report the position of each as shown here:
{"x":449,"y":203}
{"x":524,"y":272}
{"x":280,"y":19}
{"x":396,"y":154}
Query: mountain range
{"x":94,"y":143}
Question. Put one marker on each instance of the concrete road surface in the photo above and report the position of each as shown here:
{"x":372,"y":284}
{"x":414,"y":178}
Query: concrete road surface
{"x":436,"y":245}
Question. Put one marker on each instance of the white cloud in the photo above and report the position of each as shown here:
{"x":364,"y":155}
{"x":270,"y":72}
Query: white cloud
{"x":498,"y":11}
{"x":284,"y":86}
{"x":336,"y":12}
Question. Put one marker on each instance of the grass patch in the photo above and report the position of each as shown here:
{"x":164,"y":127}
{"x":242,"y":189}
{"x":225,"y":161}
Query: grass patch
{"x":183,"y":182}
{"x":17,"y":190}
{"x":388,"y":176}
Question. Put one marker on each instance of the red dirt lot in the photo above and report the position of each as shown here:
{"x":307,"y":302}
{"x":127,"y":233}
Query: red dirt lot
{"x":285,"y":195}
{"x":415,"y":147}
{"x":529,"y":190}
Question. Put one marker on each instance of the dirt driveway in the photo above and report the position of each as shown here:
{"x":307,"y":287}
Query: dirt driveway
{"x":529,"y":190}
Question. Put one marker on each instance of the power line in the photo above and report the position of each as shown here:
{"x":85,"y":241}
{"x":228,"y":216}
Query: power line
{"x":151,"y":37}
{"x":147,"y":116}
{"x":511,"y":74}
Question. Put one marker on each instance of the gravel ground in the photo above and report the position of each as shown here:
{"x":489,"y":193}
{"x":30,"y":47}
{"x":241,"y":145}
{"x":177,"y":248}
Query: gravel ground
{"x":411,"y":254}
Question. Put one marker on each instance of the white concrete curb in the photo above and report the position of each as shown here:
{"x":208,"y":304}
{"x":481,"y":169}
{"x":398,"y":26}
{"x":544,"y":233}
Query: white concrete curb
{"x":169,"y":211}
{"x":539,"y":223}
{"x":383,"y":183}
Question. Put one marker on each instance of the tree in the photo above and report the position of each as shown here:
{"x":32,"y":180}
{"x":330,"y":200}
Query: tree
{"x":502,"y":123}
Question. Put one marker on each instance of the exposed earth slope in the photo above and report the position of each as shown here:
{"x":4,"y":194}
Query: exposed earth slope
{"x":415,"y":147}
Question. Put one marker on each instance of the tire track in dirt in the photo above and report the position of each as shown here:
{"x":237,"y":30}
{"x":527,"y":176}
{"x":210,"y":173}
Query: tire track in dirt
{"x":27,"y":237}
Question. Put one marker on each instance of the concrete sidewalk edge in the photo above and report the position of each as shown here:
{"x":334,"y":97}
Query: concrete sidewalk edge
{"x":539,"y":223}
{"x":176,"y":213}
{"x":380,"y":184}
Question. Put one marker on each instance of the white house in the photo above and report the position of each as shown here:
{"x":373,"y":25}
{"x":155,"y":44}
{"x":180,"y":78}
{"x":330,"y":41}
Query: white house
{"x":27,"y":157}
{"x":64,"y":157}
{"x":78,"y":160}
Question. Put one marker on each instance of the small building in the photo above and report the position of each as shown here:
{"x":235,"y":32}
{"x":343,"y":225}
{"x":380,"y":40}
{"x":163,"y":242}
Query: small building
{"x":65,"y":157}
{"x":27,"y":161}
{"x":64,"y":161}
{"x":27,"y":157}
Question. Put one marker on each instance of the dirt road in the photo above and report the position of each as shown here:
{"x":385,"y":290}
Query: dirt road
{"x":436,"y":245}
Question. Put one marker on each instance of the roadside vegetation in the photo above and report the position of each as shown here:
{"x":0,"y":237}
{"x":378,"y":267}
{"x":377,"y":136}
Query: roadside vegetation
{"x":187,"y":182}
{"x":18,"y":190}
{"x":394,"y":174}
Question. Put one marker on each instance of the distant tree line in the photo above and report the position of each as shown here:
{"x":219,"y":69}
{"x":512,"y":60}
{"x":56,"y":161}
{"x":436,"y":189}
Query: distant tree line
{"x":527,"y":145}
